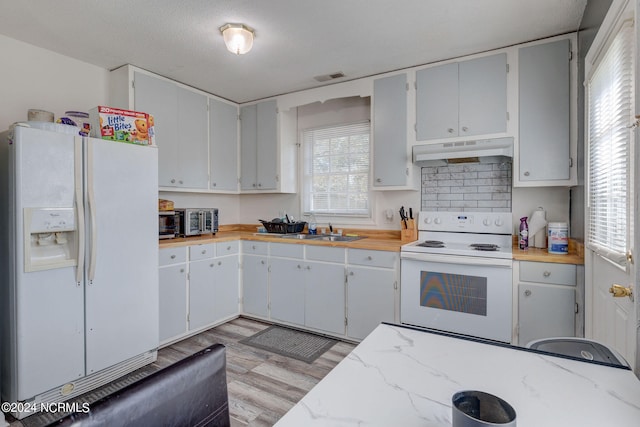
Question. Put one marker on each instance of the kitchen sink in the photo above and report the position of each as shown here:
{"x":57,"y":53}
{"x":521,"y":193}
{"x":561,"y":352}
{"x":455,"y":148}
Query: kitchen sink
{"x":300,"y":236}
{"x":341,"y":238}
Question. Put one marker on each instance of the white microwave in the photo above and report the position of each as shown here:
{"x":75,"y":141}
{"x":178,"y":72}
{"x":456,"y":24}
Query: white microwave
{"x":196,"y":221}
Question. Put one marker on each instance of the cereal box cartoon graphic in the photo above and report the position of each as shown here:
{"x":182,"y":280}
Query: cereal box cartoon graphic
{"x":120,"y":125}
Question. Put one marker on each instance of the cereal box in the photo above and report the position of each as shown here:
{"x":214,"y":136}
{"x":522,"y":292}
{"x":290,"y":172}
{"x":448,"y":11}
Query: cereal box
{"x":120,"y":125}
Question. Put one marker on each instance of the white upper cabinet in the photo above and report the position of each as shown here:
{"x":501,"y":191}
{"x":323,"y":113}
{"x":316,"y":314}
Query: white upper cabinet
{"x":392,"y":166}
{"x":223,"y":145}
{"x":459,"y":99}
{"x":268,"y":142}
{"x":180,"y":119}
{"x":545,"y":150}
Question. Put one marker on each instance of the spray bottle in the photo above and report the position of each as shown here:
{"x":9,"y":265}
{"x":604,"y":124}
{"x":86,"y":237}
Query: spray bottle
{"x":523,"y":237}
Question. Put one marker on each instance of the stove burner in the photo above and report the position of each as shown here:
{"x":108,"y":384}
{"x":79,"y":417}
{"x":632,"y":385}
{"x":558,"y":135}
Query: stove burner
{"x":485,"y":247}
{"x":432,"y":244}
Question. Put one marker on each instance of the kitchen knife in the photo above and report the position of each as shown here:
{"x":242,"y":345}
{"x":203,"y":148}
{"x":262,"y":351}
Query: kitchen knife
{"x":410,"y":213}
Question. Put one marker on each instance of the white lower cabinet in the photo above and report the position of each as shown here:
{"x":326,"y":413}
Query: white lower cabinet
{"x":197,"y":290}
{"x":324,"y":296}
{"x":372,"y":287}
{"x":172,"y":292}
{"x":546,"y":301}
{"x":286,"y":280}
{"x":255,"y":278}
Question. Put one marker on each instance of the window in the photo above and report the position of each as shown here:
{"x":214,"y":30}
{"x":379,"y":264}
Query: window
{"x":610,"y":112}
{"x":336,"y":170}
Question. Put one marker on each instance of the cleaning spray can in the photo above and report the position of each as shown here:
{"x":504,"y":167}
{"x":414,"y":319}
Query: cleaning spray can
{"x":523,"y":236}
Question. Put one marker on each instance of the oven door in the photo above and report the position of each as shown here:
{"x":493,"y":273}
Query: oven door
{"x":192,"y":222}
{"x":167,"y":226}
{"x":464,"y":295}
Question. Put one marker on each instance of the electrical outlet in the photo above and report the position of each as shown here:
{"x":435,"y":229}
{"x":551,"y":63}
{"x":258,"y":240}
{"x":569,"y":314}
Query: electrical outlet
{"x":388,"y":216}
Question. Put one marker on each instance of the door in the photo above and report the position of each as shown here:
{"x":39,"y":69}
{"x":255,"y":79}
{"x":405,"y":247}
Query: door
{"x":225,"y":301}
{"x":437,"y":102}
{"x":48,"y":309}
{"x":121,"y":294}
{"x":370,"y":299}
{"x":193,"y":139}
{"x":248,"y":147}
{"x":160,"y":98}
{"x":173,"y":301}
{"x":483,"y":95}
{"x":390,"y":131}
{"x":223,"y":139}
{"x":545,"y":311}
{"x":286,"y":293}
{"x":255,"y":285}
{"x":267,"y":144}
{"x":325,"y":297}
{"x":201,"y":293}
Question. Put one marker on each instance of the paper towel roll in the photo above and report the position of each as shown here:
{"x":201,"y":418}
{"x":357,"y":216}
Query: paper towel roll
{"x":537,"y":228}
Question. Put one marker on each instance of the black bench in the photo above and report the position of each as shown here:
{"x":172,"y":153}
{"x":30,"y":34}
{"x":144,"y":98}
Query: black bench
{"x":191,"y":392}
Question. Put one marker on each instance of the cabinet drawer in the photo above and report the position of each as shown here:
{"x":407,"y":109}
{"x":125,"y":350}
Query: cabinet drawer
{"x":323,"y":253}
{"x":287,"y":250}
{"x":384,"y":259}
{"x":202,"y":251}
{"x":227,"y":248}
{"x":172,"y":255}
{"x":542,"y":272}
{"x":255,"y":248}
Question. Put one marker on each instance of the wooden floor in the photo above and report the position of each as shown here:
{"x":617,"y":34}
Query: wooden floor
{"x":262,"y":385}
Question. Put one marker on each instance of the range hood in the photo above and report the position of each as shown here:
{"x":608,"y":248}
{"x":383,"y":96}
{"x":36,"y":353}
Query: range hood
{"x":477,"y":151}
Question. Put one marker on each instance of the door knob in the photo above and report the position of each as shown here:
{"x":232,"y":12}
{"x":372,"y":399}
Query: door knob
{"x":620,"y":291}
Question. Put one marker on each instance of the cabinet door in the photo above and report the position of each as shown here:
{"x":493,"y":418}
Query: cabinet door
{"x":201,"y":293}
{"x":544,"y":80}
{"x":248,"y":147}
{"x":437,"y":102}
{"x":223,"y":145}
{"x":255,"y":285}
{"x":173,"y":301}
{"x":324,"y":297}
{"x":390,"y":160}
{"x":286,"y":291}
{"x":483,"y":95}
{"x":193,"y":140}
{"x":545,"y":311}
{"x":267,"y":145}
{"x":370,"y":299}
{"x":160,"y":98}
{"x":225,"y":299}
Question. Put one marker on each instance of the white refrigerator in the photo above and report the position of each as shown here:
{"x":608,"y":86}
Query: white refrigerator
{"x":79,"y":262}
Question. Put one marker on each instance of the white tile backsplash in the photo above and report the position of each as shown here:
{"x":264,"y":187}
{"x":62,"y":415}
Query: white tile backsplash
{"x":467,"y":187}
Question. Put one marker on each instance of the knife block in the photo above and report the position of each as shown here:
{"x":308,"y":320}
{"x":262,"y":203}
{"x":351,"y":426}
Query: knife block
{"x":409,"y":234}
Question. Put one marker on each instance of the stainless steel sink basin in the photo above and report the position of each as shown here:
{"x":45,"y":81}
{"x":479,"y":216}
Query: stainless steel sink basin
{"x":300,"y":236}
{"x":341,"y":238}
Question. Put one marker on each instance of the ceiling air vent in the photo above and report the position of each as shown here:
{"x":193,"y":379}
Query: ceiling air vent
{"x":327,"y":77}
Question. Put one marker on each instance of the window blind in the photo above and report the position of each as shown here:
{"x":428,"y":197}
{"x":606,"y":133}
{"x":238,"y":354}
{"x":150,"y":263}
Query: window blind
{"x":610,"y":112}
{"x":336,"y":171}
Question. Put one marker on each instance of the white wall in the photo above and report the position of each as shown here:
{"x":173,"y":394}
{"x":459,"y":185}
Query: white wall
{"x":31,"y":77}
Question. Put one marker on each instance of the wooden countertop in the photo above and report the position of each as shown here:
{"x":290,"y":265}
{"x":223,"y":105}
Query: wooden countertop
{"x":385,"y":240}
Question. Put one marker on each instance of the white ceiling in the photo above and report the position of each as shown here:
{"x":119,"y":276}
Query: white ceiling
{"x":295,"y":39}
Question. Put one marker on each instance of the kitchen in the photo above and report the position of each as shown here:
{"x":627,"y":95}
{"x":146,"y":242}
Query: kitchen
{"x":90,"y":88}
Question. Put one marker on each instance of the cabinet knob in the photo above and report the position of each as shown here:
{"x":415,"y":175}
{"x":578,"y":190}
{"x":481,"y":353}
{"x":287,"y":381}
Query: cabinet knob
{"x":546,"y":274}
{"x":182,"y":270}
{"x":259,"y":184}
{"x":299,"y":266}
{"x":369,"y":258}
{"x":450,"y":130}
{"x":351,"y":273}
{"x":211,"y":265}
{"x":527,"y":293}
{"x":173,"y":257}
{"x":180,"y":182}
{"x":214,"y":184}
{"x":228,"y":248}
{"x":204,"y":251}
{"x":526,"y":173}
{"x":262,"y":262}
{"x":219,"y":262}
{"x":308,"y":267}
{"x":378,"y":179}
{"x":173,"y":181}
{"x":464,"y":128}
{"x":253,"y":247}
{"x":253,"y":185}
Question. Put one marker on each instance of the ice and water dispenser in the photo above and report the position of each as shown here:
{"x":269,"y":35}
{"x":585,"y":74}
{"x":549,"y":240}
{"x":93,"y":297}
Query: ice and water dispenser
{"x":50,"y":238}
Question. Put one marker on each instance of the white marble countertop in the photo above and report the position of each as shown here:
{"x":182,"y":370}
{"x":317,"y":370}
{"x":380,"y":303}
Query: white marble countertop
{"x":404,"y":377}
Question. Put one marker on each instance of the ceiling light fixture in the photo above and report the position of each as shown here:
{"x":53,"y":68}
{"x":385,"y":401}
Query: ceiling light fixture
{"x":238,"y":38}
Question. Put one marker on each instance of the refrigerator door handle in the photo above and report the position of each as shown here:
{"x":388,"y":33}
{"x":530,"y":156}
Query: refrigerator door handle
{"x":79,"y":207}
{"x":92,"y":212}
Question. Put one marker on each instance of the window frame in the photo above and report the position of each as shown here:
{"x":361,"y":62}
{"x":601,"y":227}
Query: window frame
{"x":364,"y":218}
